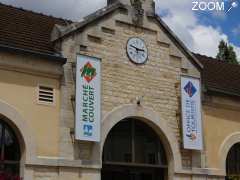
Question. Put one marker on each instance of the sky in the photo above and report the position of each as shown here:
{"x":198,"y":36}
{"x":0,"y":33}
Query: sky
{"x":200,"y":30}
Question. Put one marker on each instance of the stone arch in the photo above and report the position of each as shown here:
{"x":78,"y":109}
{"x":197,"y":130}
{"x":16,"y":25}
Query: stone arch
{"x":151,"y":118}
{"x":225,"y":148}
{"x":12,"y":117}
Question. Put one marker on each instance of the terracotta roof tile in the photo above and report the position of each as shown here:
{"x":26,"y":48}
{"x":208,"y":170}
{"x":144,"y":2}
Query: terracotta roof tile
{"x":26,"y":29}
{"x":220,"y":76}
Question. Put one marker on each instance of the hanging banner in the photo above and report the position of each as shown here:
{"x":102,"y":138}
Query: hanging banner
{"x":88,"y":87}
{"x":191,"y":113}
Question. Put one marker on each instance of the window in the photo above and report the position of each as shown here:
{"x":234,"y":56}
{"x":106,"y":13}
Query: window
{"x":133,"y":151}
{"x":9,"y":152}
{"x":233,"y":163}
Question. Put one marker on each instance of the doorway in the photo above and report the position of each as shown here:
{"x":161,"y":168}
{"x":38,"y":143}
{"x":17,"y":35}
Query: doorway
{"x":133,"y":151}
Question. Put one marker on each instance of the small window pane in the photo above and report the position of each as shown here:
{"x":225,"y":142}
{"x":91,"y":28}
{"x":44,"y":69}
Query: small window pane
{"x":11,"y":149}
{"x":147,"y":145}
{"x":118,"y":144}
{"x":9,"y":170}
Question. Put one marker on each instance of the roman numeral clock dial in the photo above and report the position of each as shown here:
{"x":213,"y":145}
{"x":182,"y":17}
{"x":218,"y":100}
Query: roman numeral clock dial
{"x":137,"y":50}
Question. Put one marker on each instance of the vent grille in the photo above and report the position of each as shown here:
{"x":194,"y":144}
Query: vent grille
{"x":45,"y":94}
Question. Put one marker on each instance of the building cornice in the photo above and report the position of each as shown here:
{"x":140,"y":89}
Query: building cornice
{"x":30,"y":64}
{"x":52,"y":57}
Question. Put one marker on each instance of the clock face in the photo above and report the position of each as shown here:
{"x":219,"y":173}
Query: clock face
{"x":137,"y":50}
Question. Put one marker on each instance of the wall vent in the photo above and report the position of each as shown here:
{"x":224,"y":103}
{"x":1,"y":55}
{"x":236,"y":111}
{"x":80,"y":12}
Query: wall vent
{"x":45,"y":95}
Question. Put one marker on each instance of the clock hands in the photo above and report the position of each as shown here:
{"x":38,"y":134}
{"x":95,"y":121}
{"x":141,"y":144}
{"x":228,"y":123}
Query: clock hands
{"x":137,"y":49}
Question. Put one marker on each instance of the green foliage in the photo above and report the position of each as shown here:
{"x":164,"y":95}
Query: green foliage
{"x":233,"y":177}
{"x":226,"y":53}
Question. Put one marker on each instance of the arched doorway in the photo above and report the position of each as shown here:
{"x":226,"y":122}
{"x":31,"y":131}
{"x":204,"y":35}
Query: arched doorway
{"x":10,"y":154}
{"x":233,"y":163}
{"x":133,"y":151}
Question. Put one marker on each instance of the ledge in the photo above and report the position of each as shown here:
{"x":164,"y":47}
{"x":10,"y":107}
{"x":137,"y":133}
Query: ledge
{"x":37,"y":65}
{"x":67,"y":163}
{"x":54,"y":162}
{"x":202,"y":171}
{"x":55,"y":57}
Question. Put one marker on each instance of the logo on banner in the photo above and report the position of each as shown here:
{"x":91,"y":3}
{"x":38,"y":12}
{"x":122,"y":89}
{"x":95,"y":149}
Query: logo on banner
{"x":88,"y":93}
{"x":88,"y":72}
{"x":191,"y":112}
{"x":88,"y":130}
{"x":190,"y":89}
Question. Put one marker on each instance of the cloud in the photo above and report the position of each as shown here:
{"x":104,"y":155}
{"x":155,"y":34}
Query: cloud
{"x":220,"y":15}
{"x":237,"y":50}
{"x":70,"y":9}
{"x":183,"y":21}
{"x":206,"y":39}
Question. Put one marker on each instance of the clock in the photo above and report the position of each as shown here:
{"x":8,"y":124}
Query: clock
{"x":137,"y":50}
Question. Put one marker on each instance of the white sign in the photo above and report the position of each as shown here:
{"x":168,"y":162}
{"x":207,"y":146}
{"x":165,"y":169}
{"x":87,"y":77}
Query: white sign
{"x":191,"y":113}
{"x":88,"y":87}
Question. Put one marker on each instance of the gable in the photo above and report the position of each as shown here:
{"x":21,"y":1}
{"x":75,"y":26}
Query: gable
{"x":123,"y":14}
{"x":116,"y":15}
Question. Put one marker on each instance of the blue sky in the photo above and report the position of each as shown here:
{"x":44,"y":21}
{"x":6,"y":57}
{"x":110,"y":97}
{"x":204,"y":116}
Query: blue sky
{"x":229,"y":22}
{"x":201,"y":31}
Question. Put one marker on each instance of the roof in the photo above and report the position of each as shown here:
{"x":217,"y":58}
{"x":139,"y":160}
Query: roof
{"x":27,"y":30}
{"x":179,"y":43}
{"x":219,"y":76}
{"x":69,"y":30}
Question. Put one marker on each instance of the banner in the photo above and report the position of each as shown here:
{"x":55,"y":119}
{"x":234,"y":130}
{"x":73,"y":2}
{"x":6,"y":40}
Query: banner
{"x":191,"y":113}
{"x":88,"y":87}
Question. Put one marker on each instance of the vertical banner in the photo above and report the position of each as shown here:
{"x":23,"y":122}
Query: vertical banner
{"x":191,"y":113}
{"x":88,"y":87}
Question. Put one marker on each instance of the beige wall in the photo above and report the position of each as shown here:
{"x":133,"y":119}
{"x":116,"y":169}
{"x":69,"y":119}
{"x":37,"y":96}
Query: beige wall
{"x":221,"y":120}
{"x":19,"y":90}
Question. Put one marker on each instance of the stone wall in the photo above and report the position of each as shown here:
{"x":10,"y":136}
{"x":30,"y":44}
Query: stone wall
{"x":157,"y":81}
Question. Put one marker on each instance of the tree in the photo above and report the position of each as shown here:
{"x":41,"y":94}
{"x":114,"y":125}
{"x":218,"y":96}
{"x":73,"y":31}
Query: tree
{"x":232,"y":55}
{"x":226,"y":53}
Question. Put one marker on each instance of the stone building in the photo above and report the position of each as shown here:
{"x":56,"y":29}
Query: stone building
{"x":141,"y":131}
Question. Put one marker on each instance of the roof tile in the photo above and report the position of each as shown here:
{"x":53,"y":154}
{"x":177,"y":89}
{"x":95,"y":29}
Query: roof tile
{"x":220,"y":76}
{"x":27,"y":30}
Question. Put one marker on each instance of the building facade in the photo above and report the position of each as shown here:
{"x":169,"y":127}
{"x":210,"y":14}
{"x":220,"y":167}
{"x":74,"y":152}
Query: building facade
{"x":140,"y":117}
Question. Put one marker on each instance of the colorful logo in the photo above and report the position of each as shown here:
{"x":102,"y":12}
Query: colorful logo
{"x":192,"y":136}
{"x":88,"y":72}
{"x":190,"y":89}
{"x":87,"y":130}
